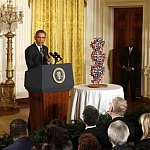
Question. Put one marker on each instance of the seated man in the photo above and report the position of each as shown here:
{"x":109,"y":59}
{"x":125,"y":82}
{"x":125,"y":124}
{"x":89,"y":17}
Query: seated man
{"x":90,"y":118}
{"x":118,"y":133}
{"x":19,"y":132}
{"x":117,"y":109}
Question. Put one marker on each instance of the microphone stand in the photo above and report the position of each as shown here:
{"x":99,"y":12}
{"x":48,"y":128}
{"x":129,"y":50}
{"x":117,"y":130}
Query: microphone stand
{"x":56,"y":60}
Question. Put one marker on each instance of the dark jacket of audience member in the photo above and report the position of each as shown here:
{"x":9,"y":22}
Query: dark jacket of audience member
{"x":143,"y":144}
{"x":117,"y":109}
{"x":90,"y":118}
{"x":88,"y":142}
{"x":122,"y":147}
{"x":145,"y":140}
{"x":19,"y":132}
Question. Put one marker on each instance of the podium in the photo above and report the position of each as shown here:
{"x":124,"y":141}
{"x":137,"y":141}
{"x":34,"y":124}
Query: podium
{"x":48,"y":87}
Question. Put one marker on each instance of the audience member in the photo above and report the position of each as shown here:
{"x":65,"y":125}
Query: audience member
{"x":58,"y":123}
{"x":90,"y":118}
{"x":44,"y":146}
{"x":117,"y":109}
{"x":58,"y":137}
{"x":145,"y":140}
{"x":88,"y":141}
{"x":118,"y":134}
{"x":19,"y":132}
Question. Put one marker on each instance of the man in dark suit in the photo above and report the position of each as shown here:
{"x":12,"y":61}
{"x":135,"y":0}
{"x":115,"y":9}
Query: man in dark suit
{"x":90,"y":118}
{"x":19,"y":132}
{"x":37,"y":53}
{"x":129,"y":60}
{"x":117,"y":109}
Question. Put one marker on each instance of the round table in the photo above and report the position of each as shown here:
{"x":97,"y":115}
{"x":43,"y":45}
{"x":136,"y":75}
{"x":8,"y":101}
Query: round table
{"x":97,"y":97}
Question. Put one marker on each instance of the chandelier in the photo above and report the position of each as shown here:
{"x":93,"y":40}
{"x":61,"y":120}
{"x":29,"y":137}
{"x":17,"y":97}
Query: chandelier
{"x":10,"y":17}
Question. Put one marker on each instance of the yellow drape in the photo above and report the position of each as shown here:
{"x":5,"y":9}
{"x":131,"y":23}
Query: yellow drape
{"x":85,"y":2}
{"x":63,"y":21}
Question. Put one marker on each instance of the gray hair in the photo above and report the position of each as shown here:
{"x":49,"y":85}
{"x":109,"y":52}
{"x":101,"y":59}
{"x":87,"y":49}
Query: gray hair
{"x":119,"y":105}
{"x":118,"y":132}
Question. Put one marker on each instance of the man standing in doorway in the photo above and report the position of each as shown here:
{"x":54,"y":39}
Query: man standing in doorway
{"x":129,"y":60}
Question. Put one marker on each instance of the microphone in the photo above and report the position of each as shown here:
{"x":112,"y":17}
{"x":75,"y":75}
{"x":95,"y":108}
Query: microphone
{"x":55,"y":55}
{"x":51,"y":54}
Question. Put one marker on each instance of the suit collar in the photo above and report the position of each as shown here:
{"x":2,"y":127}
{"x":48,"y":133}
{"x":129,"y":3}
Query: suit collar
{"x":89,"y":127}
{"x":38,"y":46}
{"x":117,"y":118}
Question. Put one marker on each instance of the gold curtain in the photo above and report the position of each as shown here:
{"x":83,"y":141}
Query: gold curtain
{"x":63,"y":21}
{"x":85,"y":2}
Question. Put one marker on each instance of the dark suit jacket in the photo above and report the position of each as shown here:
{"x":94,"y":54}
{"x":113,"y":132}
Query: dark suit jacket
{"x":20,"y":144}
{"x":33,"y":56}
{"x":144,"y":143}
{"x":122,"y":147}
{"x":95,"y":131}
{"x":131,"y":60}
{"x":98,"y":133}
{"x":105,"y":143}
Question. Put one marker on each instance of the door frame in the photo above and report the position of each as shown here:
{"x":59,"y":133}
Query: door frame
{"x":108,"y":31}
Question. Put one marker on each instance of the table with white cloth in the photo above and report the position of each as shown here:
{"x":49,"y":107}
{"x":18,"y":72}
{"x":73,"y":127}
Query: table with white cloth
{"x":97,"y":97}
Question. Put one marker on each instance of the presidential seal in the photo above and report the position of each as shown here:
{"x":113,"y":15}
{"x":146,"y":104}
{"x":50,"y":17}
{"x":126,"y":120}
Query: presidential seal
{"x":59,"y":75}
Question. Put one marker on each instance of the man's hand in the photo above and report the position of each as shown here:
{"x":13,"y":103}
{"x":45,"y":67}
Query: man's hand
{"x":48,"y":59}
{"x":125,"y":68}
{"x":129,"y":69}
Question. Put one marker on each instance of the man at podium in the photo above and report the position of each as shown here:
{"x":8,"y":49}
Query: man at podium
{"x":37,"y":53}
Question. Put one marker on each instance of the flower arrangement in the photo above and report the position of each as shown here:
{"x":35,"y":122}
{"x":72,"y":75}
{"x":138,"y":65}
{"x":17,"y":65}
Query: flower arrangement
{"x":98,"y":57}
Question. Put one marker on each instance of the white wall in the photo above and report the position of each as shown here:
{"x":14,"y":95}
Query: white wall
{"x":20,"y":42}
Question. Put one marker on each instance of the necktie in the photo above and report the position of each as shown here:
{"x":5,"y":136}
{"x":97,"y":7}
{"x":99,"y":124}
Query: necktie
{"x":41,"y":52}
{"x":130,"y":50}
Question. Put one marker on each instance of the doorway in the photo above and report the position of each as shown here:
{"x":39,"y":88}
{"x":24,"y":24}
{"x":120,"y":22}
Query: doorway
{"x":127,"y":25}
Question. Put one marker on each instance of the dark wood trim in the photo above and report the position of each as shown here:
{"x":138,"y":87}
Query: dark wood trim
{"x":21,"y":101}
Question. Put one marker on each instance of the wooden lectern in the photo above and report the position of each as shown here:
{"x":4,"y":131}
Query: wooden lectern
{"x":48,"y":87}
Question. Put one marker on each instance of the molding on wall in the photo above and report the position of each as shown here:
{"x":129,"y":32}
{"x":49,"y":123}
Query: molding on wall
{"x":24,"y":101}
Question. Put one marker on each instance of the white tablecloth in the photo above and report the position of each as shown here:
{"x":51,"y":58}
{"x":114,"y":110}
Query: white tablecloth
{"x":98,"y":97}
